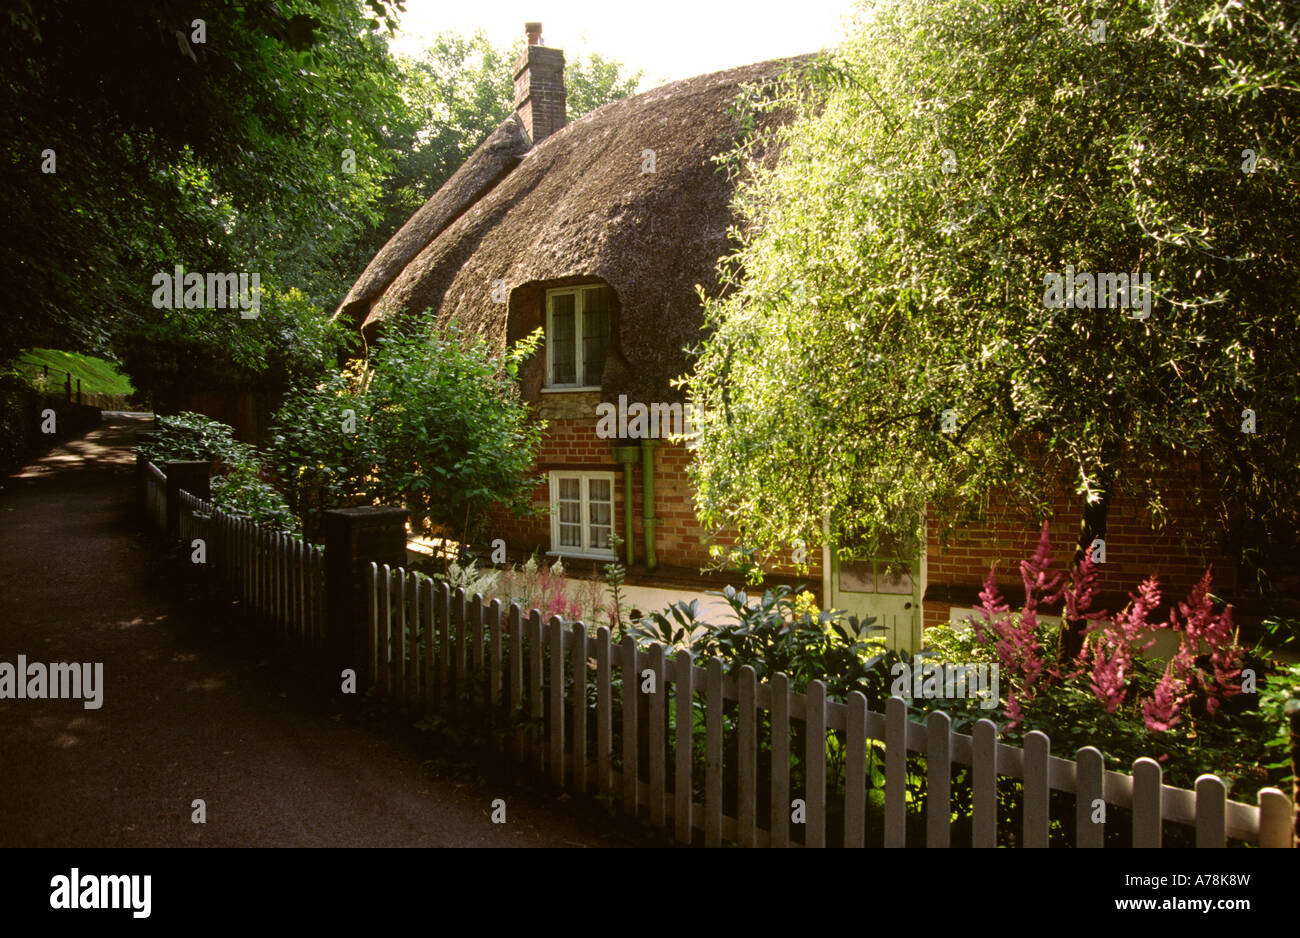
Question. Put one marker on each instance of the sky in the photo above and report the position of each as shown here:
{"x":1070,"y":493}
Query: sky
{"x":668,"y":39}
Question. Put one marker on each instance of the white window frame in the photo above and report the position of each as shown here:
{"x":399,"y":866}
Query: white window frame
{"x":579,"y":313}
{"x":586,"y":550}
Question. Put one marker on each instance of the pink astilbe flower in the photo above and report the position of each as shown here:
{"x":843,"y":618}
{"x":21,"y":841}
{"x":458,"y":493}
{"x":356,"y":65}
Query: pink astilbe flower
{"x":1078,"y":605}
{"x":570,"y":610}
{"x":545,"y":587}
{"x":1013,"y":711}
{"x":1020,"y":649}
{"x":1118,"y":641}
{"x":1226,"y":663}
{"x":992,"y":608}
{"x":1111,"y":661}
{"x":996,"y":627}
{"x":1200,"y":626}
{"x":1160,"y":710}
{"x":1203,"y":625}
{"x":1016,"y":642}
{"x":1038,"y":574}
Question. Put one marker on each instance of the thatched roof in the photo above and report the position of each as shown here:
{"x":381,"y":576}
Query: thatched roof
{"x":488,"y":165}
{"x":579,"y":205}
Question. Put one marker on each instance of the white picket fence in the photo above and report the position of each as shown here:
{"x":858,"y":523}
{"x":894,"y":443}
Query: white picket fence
{"x":437,"y":649}
{"x":426,"y":641}
{"x":280,"y":577}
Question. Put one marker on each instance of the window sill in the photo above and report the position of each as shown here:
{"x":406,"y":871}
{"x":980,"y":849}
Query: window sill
{"x":582,"y":555}
{"x":569,"y":390}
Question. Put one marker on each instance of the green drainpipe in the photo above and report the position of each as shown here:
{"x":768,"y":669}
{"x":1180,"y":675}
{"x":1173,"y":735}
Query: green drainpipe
{"x":628,"y":455}
{"x":648,"y":501}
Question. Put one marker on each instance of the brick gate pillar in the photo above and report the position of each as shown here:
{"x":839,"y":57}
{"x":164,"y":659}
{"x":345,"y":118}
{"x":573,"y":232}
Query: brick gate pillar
{"x":193,"y":477}
{"x":355,"y":538}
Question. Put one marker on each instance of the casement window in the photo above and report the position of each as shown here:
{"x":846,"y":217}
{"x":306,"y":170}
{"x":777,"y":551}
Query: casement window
{"x":577,"y":336}
{"x":582,"y":514}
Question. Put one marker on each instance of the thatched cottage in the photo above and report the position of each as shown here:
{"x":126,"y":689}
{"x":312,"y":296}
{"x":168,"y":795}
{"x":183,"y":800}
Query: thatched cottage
{"x":598,"y":232}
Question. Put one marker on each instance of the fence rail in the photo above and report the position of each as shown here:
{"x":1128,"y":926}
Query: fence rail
{"x":431,"y":647}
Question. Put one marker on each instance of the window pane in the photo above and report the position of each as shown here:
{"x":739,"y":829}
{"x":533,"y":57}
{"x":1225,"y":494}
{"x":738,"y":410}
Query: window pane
{"x":560,"y":342}
{"x":569,"y":507}
{"x":897,"y":580}
{"x":571,"y":535}
{"x":595,"y":334}
{"x":857,"y":576}
{"x":600,"y":512}
{"x":580,"y":498}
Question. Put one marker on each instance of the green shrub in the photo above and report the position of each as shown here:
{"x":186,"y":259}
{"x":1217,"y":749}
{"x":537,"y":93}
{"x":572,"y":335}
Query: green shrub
{"x":779,"y":633}
{"x":239,"y":485}
{"x":243,"y":492}
{"x":435,"y":423}
{"x":191,"y":437}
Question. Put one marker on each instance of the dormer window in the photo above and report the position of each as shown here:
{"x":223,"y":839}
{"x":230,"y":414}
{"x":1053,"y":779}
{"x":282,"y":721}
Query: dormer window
{"x":577,"y":336}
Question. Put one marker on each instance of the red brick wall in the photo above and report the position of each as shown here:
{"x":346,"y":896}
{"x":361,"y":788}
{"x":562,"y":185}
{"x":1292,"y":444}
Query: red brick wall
{"x":679,"y":540}
{"x":1135,"y":549}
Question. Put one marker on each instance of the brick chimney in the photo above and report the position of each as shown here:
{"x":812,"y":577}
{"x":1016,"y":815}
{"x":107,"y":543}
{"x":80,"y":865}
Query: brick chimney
{"x":539,"y":87}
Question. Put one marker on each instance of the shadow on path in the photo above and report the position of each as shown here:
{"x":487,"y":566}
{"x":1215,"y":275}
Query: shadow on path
{"x":192,"y":706}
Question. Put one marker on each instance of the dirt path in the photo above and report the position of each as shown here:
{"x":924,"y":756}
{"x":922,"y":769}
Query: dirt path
{"x":192,"y":707}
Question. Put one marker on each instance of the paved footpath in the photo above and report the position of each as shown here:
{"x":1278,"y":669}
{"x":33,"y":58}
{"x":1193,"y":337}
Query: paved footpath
{"x":192,"y":709}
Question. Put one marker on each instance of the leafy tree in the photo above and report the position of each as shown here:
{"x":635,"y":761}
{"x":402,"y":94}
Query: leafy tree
{"x":276,"y":138}
{"x":591,"y":80}
{"x":456,"y":92}
{"x":434,"y":423}
{"x":224,"y":154}
{"x":889,"y":282}
{"x":217,"y":350}
{"x":321,"y":447}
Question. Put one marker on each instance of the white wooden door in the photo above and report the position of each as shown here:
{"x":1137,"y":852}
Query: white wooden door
{"x":886,"y":589}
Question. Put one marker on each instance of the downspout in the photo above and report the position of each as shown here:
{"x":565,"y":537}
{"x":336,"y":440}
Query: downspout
{"x":648,"y":501}
{"x":627,"y":455}
{"x":827,"y":582}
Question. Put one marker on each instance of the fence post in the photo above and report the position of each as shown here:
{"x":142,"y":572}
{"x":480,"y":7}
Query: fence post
{"x":142,"y":472}
{"x":193,"y":477}
{"x":355,"y":538}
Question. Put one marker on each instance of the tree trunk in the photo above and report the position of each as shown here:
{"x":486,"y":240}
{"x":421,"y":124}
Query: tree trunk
{"x":1091,"y":527}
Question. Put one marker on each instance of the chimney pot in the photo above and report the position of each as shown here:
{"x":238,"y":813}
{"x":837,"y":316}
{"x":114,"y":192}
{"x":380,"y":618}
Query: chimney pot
{"x":534,"y":31}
